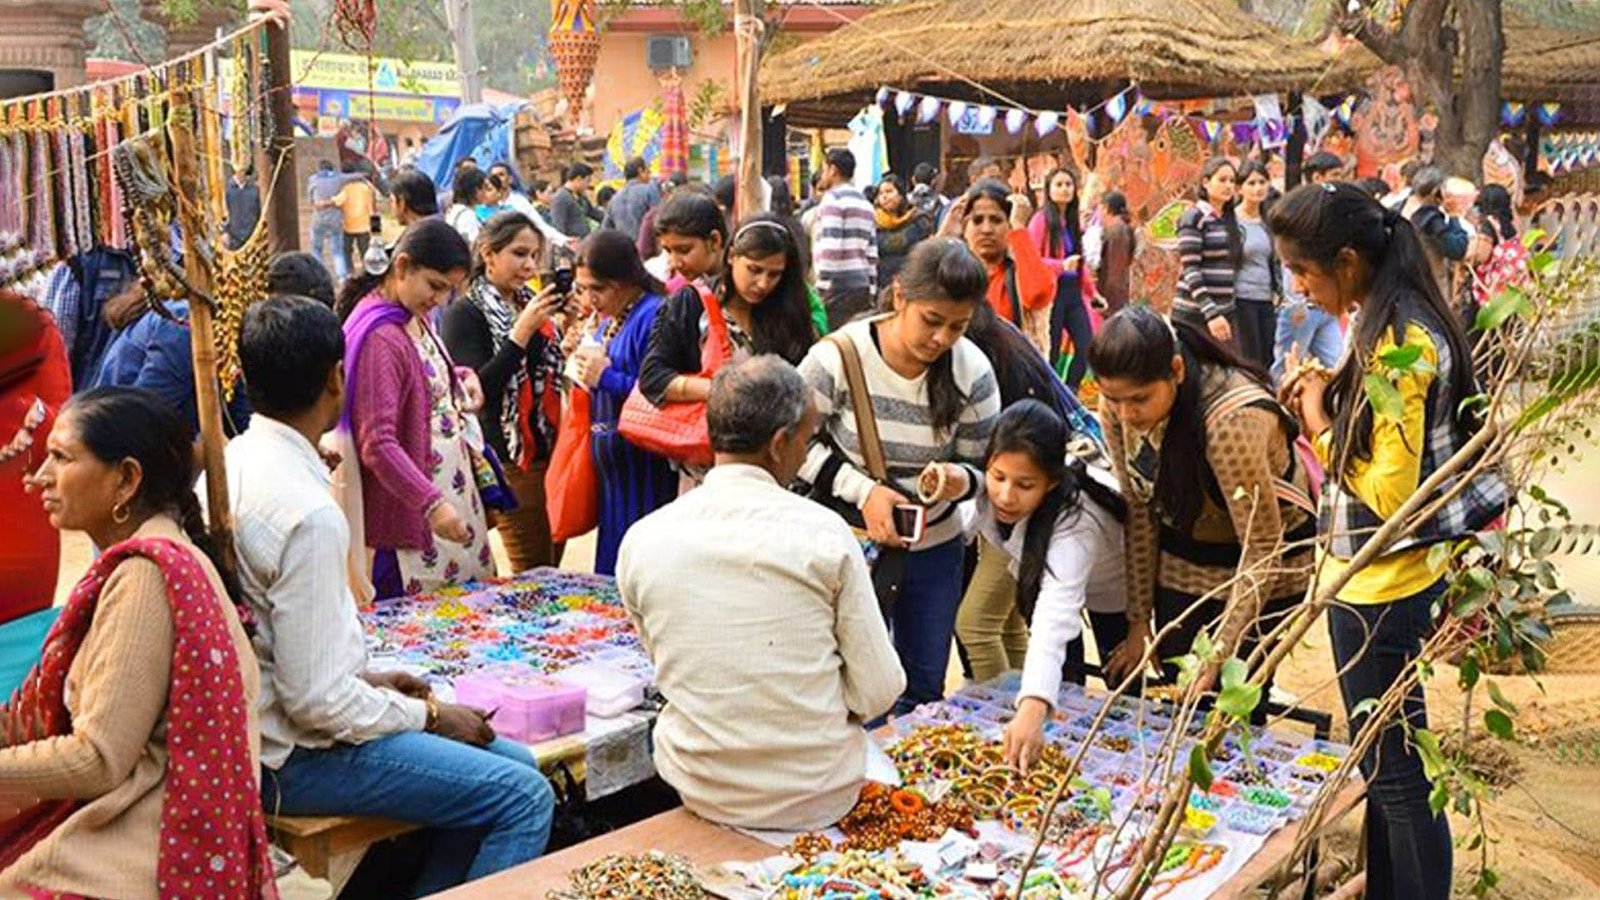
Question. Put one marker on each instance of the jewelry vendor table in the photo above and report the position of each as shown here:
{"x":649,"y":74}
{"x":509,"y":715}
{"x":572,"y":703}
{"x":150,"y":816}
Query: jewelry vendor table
{"x":706,"y":844}
{"x":543,"y":618}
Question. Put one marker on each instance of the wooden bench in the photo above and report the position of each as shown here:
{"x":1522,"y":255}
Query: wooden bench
{"x":330,"y":847}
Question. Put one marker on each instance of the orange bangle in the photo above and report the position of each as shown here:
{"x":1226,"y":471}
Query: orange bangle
{"x":906,"y":802}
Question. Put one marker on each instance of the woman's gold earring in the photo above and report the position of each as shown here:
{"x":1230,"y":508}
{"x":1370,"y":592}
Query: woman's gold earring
{"x":120,"y":513}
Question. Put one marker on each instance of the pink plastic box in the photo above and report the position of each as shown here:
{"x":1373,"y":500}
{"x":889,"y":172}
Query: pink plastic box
{"x":529,"y":707}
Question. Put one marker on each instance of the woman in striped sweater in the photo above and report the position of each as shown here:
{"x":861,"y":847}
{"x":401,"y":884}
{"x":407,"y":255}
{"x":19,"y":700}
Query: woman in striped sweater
{"x":1209,"y":250}
{"x":934,"y":398}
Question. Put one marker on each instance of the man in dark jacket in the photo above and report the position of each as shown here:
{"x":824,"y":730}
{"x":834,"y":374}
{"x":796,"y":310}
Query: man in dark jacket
{"x":571,"y":210}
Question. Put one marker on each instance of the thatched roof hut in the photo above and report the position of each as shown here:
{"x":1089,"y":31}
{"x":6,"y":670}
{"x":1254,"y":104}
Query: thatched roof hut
{"x":1047,"y":54}
{"x":1550,"y":64}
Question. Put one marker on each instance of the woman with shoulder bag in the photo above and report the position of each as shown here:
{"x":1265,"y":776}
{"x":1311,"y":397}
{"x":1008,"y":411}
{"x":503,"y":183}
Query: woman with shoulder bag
{"x":506,"y":333}
{"x":930,"y":396}
{"x":757,"y":291}
{"x":1216,"y":493}
{"x":626,"y":301}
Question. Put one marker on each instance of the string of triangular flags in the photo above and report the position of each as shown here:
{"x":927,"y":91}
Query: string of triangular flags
{"x":1267,"y":125}
{"x":1570,"y":152}
{"x":1514,"y":115}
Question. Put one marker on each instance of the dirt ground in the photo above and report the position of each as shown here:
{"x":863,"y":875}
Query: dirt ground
{"x":1545,"y":826}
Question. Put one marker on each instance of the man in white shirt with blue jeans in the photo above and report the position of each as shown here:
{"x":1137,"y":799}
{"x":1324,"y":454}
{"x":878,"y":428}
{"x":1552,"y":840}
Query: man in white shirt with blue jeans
{"x":336,"y":737}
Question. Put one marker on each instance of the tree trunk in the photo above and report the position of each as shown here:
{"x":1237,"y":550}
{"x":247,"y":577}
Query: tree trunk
{"x":1426,"y":48}
{"x":1483,"y":49}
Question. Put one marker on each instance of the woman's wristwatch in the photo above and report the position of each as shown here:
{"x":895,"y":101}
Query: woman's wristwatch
{"x":432,"y":722}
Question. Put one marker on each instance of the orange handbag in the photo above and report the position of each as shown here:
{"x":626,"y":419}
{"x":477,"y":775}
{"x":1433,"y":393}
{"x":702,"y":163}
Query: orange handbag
{"x":677,"y":431}
{"x":571,"y":481}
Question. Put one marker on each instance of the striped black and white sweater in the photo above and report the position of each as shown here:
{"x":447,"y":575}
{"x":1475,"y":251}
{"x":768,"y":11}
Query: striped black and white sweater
{"x":1205,"y":285}
{"x":905,"y":424}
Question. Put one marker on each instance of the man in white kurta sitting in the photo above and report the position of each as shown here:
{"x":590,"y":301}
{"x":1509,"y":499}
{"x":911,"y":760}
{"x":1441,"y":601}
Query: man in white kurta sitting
{"x":758,"y":610}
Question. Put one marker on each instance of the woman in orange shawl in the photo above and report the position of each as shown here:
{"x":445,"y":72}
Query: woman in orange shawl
{"x":994,"y":224}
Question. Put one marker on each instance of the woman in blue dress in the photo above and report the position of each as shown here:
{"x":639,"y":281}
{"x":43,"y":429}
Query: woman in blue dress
{"x":625,"y":299}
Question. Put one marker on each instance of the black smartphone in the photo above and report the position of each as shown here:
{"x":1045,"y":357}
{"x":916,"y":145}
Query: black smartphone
{"x":563,"y":282}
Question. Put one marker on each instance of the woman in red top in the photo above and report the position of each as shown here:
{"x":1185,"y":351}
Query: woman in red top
{"x":994,"y":224}
{"x":35,"y":380}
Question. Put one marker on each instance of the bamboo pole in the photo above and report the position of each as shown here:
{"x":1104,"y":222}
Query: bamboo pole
{"x":202,"y":334}
{"x":275,"y":169}
{"x":747,"y":26}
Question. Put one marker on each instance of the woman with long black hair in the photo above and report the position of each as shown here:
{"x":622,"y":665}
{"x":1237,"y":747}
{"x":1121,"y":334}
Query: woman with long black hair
{"x":1215,"y":491}
{"x":1057,"y":523}
{"x":758,"y":280}
{"x":992,"y":632}
{"x":1346,"y":252}
{"x":1210,"y":247}
{"x":1058,"y":231}
{"x":507,"y":335}
{"x":934,"y":399}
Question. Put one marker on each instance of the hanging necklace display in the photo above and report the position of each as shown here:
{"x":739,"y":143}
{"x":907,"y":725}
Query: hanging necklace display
{"x":78,"y":161}
{"x":142,"y":172}
{"x":43,"y":218}
{"x":8,"y":198}
{"x":20,"y":184}
{"x":61,"y":182}
{"x":210,"y":113}
{"x":241,"y":119}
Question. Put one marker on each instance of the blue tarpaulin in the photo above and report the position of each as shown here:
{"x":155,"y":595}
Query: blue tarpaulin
{"x":478,"y":130}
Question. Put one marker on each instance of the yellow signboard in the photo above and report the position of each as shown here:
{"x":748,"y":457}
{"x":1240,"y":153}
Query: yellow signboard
{"x":383,"y":107}
{"x":384,"y":75}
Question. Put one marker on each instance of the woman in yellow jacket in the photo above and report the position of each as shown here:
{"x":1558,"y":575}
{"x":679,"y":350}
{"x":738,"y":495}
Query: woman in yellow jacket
{"x":1348,"y":254}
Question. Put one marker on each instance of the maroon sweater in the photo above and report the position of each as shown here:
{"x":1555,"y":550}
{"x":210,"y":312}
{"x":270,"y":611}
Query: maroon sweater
{"x":390,"y":419}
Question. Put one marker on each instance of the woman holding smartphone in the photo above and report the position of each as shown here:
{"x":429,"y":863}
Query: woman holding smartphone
{"x":506,"y":334}
{"x":934,"y":399}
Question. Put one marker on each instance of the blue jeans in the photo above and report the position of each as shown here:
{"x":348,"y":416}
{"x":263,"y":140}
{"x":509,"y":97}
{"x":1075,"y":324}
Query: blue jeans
{"x":1408,"y":847}
{"x":327,"y":237}
{"x":924,"y":621}
{"x":490,"y":806}
{"x":1316,"y":333}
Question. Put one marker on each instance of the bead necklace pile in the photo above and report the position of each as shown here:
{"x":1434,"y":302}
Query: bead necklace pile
{"x":659,"y":876}
{"x":884,"y":817}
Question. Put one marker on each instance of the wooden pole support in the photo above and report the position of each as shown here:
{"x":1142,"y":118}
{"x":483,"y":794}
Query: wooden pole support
{"x":276,"y":174}
{"x":202,"y":333}
{"x":748,"y":26}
